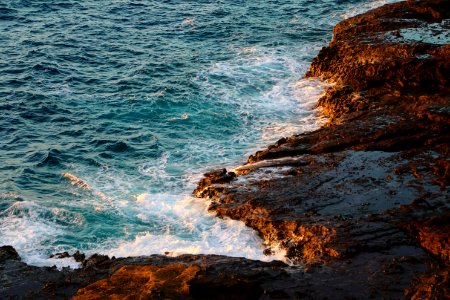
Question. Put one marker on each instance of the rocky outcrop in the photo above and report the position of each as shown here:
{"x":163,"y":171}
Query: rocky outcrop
{"x":376,"y":177}
{"x":214,"y":277}
{"x":361,"y":206}
{"x":150,"y":277}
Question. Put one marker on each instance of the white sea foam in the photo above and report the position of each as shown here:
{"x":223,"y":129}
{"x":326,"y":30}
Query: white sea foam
{"x":156,"y":169}
{"x":29,"y":228}
{"x":299,"y":98}
{"x":262,"y":85}
{"x":188,"y":229}
{"x":266,"y":89}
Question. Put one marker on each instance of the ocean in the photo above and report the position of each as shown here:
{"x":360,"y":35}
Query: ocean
{"x":111,"y":111}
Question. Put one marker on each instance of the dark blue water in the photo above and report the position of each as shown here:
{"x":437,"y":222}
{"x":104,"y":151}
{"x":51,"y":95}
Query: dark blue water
{"x":111,"y":110}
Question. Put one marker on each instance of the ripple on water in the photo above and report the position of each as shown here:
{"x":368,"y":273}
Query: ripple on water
{"x":7,"y":14}
{"x":134,"y":100}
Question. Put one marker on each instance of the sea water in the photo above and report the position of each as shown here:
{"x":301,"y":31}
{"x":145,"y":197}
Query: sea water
{"x":110,"y":111}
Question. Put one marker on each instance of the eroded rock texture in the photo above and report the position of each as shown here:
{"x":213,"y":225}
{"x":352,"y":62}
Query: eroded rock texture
{"x":376,"y":177}
{"x":215,"y":277}
{"x":361,"y":206}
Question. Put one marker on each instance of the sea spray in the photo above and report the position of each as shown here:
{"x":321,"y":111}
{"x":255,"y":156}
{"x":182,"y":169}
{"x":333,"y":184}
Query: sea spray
{"x":110,"y":114}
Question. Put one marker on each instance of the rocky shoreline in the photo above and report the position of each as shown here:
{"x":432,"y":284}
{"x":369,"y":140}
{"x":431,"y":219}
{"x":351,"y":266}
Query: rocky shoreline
{"x":361,"y":205}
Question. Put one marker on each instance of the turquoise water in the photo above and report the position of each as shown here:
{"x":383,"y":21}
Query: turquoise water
{"x":110,"y":112}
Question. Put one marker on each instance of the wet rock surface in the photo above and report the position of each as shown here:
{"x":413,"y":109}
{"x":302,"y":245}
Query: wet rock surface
{"x":375,"y":178}
{"x":361,"y":206}
{"x":215,"y":277}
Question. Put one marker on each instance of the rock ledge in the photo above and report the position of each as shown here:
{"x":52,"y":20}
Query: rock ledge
{"x":361,"y":205}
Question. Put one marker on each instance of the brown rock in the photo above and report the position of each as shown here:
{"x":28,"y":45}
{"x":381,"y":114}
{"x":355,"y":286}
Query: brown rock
{"x":370,"y":188}
{"x":142,"y":282}
{"x":376,"y":177}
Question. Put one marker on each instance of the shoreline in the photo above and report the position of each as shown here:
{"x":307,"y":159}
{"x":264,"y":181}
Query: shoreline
{"x":361,"y":203}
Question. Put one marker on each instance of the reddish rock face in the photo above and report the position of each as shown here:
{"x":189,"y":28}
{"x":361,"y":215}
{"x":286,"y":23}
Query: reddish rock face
{"x":361,"y":206}
{"x":376,"y":177}
{"x":433,"y":234}
{"x":388,"y":57}
{"x":142,"y":282}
